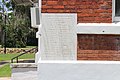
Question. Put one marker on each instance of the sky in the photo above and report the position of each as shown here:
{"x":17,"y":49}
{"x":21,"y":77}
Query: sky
{"x":5,"y":7}
{"x":6,"y":0}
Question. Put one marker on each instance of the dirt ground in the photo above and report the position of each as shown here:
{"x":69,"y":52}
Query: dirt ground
{"x":5,"y":78}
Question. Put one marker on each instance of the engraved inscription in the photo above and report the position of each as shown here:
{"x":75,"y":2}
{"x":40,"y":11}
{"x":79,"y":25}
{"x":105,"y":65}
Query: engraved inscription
{"x":59,"y":36}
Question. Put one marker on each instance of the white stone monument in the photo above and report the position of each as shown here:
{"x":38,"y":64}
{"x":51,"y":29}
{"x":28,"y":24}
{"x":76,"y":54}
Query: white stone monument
{"x":57,"y":50}
{"x":58,"y":37}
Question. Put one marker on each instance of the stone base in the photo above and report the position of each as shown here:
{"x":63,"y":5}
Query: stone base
{"x":78,"y":70}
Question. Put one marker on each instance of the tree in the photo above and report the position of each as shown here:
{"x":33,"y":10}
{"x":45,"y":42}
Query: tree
{"x":22,"y":25}
{"x":4,"y":9}
{"x":18,"y":28}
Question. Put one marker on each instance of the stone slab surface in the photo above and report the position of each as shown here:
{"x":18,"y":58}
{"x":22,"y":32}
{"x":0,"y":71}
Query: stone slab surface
{"x":30,"y":75}
{"x":98,"y":28}
{"x":24,"y":74}
{"x":23,"y":65}
{"x":79,"y":71}
{"x":58,"y":36}
{"x":24,"y":71}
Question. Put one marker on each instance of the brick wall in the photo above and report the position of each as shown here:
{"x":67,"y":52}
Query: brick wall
{"x":90,"y":47}
{"x":88,"y":11}
{"x":98,"y":47}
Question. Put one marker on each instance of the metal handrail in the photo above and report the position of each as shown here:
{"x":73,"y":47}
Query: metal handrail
{"x":17,"y":57}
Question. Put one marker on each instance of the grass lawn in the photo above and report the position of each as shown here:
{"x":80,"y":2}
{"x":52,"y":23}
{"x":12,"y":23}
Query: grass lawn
{"x":4,"y":57}
{"x":5,"y":71}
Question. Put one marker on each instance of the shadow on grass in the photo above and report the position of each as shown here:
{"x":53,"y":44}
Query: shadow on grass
{"x":5,"y":71}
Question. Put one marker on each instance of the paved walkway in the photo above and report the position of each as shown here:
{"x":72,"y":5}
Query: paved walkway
{"x":5,"y":78}
{"x":28,"y":75}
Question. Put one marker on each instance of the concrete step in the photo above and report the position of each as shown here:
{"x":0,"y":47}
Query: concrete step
{"x":27,"y":61}
{"x":24,"y":71}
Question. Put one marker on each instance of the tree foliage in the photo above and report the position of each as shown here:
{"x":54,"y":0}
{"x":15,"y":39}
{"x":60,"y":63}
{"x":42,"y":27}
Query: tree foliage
{"x":5,"y":8}
{"x":18,"y":27}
